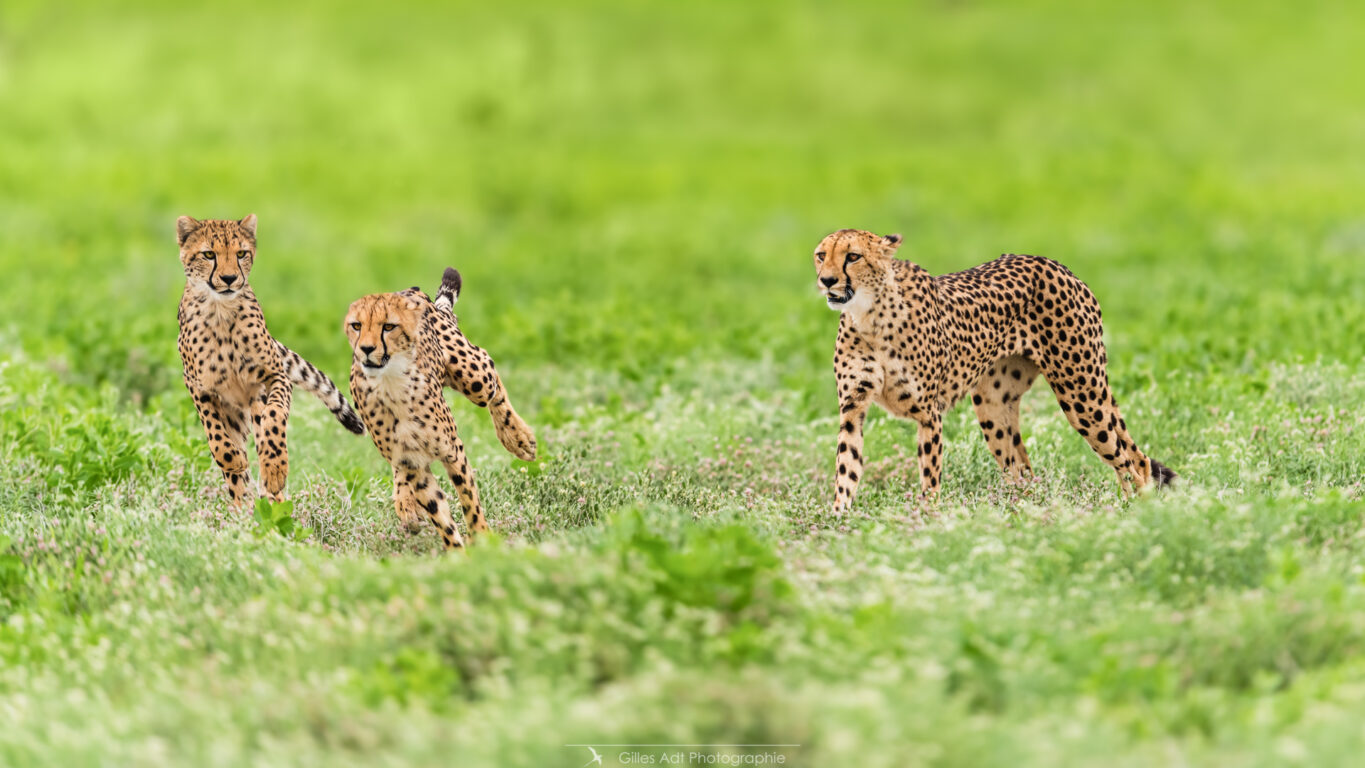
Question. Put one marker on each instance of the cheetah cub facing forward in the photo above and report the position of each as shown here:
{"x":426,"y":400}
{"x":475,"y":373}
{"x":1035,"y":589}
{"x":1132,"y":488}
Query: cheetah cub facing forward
{"x":915,"y":344}
{"x":237,"y":374}
{"x":405,"y":349}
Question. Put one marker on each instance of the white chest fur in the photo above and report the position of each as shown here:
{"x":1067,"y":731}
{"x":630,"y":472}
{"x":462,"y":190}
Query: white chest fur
{"x":860,"y":308}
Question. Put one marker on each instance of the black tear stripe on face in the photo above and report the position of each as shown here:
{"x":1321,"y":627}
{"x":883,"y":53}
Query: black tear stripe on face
{"x":848,"y":283}
{"x":379,"y":322}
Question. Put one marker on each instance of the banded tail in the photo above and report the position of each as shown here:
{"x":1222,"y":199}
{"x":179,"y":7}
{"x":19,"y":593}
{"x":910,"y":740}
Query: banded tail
{"x":449,"y":292}
{"x":303,"y":374}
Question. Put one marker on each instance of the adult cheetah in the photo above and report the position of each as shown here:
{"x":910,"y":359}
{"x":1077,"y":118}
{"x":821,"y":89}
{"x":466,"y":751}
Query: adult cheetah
{"x":406,"y":348}
{"x":915,"y":344}
{"x":235,"y":372}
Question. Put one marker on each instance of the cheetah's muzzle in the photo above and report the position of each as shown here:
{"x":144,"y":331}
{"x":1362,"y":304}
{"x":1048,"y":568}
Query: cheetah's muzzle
{"x":836,"y":301}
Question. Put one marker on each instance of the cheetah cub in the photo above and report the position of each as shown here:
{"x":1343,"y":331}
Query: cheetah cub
{"x":915,"y":344}
{"x":405,"y":349}
{"x":237,"y":374}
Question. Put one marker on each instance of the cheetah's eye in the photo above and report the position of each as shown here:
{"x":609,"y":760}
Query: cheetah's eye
{"x":820,"y":257}
{"x":210,"y":255}
{"x":243,"y":254}
{"x":852,"y":257}
{"x":389,"y":326}
{"x":355,"y":326}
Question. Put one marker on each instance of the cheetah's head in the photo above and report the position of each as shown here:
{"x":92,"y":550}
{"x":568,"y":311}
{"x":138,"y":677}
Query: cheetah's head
{"x":849,"y":261}
{"x":217,"y":253}
{"x":382,"y":328}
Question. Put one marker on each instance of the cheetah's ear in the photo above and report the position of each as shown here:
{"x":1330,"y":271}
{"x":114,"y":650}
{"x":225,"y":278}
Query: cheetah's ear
{"x":890,"y":243}
{"x":184,"y":227}
{"x":249,"y":224}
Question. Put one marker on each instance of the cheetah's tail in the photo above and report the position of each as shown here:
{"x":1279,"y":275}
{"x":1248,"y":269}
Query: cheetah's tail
{"x":449,"y":292}
{"x":1163,"y":475}
{"x":303,"y":374}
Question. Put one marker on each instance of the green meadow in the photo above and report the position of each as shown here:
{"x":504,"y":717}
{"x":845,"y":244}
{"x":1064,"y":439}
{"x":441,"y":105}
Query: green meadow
{"x":632,"y":192}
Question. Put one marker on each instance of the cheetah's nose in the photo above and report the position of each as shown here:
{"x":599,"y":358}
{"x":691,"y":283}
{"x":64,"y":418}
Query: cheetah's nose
{"x":228,"y":279}
{"x":367,"y":350}
{"x":829,"y":281}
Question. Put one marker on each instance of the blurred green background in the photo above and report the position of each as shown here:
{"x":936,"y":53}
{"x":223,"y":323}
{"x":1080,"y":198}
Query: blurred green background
{"x":632,"y":191}
{"x":625,"y":184}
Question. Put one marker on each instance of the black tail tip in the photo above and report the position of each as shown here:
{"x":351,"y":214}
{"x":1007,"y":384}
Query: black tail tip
{"x":450,"y":280}
{"x":1162,"y":474}
{"x":350,"y":420}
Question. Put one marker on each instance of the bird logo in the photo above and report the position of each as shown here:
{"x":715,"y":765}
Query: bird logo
{"x":596,"y":758}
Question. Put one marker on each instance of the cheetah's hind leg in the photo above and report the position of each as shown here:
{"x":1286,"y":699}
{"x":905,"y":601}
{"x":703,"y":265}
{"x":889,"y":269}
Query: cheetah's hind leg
{"x":996,"y":401}
{"x":1089,"y":406}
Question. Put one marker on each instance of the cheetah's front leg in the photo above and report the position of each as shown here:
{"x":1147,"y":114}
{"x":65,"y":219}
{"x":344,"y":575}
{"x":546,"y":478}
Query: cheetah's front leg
{"x":848,"y":460}
{"x":403,"y":500}
{"x":930,"y":438}
{"x":422,"y":485}
{"x":462,"y":477}
{"x":227,"y":443}
{"x":270,"y":417}
{"x":858,"y":379}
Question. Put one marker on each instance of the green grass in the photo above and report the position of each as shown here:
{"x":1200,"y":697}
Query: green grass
{"x":632,"y":192}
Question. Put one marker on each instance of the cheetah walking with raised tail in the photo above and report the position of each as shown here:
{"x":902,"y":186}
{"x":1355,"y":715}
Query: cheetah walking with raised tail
{"x":405,"y":349}
{"x":915,"y":344}
{"x":237,"y":374}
